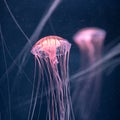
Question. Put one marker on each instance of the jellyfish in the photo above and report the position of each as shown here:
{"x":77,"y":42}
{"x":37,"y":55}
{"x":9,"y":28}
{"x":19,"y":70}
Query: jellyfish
{"x":52,"y":55}
{"x":90,"y":42}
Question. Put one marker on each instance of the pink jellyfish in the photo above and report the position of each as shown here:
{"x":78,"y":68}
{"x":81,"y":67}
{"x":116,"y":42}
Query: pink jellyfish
{"x":90,"y":41}
{"x":52,"y":54}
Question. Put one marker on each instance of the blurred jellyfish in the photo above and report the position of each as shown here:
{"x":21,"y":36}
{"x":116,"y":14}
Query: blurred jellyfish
{"x":89,"y":41}
{"x":52,"y":54}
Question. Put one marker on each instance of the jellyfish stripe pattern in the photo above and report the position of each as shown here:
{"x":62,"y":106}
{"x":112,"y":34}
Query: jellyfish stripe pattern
{"x":52,"y":54}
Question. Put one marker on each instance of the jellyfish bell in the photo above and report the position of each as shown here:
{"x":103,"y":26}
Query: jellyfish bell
{"x":51,"y":46}
{"x":88,"y":35}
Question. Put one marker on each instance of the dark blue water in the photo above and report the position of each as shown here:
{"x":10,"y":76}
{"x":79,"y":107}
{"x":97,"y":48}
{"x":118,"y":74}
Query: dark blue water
{"x":68,"y":17}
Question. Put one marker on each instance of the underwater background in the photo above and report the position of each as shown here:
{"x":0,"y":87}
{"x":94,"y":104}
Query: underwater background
{"x":16,"y":75}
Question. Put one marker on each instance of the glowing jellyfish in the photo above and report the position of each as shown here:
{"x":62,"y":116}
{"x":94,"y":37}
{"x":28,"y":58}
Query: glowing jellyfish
{"x":90,"y":41}
{"x":52,"y":54}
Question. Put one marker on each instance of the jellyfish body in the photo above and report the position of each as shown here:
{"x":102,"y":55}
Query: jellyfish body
{"x":52,"y":54}
{"x":47,"y":47}
{"x":90,"y":41}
